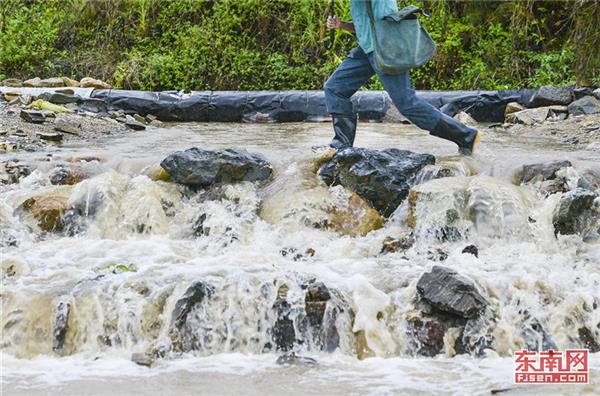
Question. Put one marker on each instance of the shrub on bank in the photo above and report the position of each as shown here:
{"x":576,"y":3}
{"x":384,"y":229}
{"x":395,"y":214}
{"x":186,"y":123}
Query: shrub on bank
{"x":279,"y":44}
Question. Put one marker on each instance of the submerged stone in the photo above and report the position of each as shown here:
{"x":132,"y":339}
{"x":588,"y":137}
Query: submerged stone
{"x":59,"y":332}
{"x":201,"y":168}
{"x":295,"y":360}
{"x":576,"y":214}
{"x":541,"y":171}
{"x":382,"y":177}
{"x":47,"y":210}
{"x":195,"y":294}
{"x":448,"y":291}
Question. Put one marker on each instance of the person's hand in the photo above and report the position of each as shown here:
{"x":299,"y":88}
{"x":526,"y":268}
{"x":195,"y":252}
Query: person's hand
{"x":333,"y":22}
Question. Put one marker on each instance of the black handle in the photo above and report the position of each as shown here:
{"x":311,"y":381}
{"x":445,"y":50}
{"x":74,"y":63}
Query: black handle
{"x":329,"y":45}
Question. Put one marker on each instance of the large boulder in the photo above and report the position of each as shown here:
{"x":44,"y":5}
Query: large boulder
{"x":447,"y":291}
{"x":547,"y":96}
{"x":202,"y":168}
{"x":577,"y":213}
{"x":585,"y":105}
{"x":382,"y":177}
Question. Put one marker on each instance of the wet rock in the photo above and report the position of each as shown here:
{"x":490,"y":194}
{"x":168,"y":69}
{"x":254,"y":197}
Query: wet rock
{"x":474,"y":338}
{"x":536,"y":337}
{"x":132,"y":123}
{"x":382,"y":177}
{"x":438,"y":204}
{"x":292,"y":359}
{"x":70,"y":127}
{"x":195,"y":294}
{"x":89,"y":82}
{"x":393,"y":245}
{"x":471,"y":249}
{"x":576,"y":214}
{"x":322,"y":311}
{"x":354,"y":218}
{"x":547,"y":96}
{"x":283,"y":332}
{"x":597,"y":93}
{"x":47,"y":210}
{"x":437,"y":254}
{"x":588,"y":340}
{"x":541,"y":171}
{"x":13,"y":170}
{"x":585,"y":105}
{"x":32,"y":116}
{"x":142,"y":358}
{"x":512,"y":107}
{"x":447,"y":291}
{"x":61,"y":319}
{"x":528,"y":116}
{"x":428,"y":334}
{"x":201,"y":168}
{"x":496,"y":208}
{"x":150,"y":118}
{"x":50,"y":136}
{"x":67,"y":175}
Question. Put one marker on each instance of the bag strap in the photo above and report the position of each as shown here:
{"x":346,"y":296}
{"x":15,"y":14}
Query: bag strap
{"x":372,"y":18}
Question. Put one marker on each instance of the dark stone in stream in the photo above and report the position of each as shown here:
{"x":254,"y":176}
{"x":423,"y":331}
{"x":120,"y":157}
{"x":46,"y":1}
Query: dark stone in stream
{"x":575,"y":214}
{"x":541,"y":171}
{"x":143,"y":359}
{"x":548,"y":96}
{"x":201,"y":168}
{"x":392,"y":245}
{"x":283,"y":333}
{"x":428,"y":333}
{"x":448,"y":291}
{"x":294,"y":360}
{"x":471,"y":249}
{"x":382,"y":177}
{"x":588,"y":340}
{"x":536,"y":337}
{"x":59,"y":332}
{"x":195,"y":294}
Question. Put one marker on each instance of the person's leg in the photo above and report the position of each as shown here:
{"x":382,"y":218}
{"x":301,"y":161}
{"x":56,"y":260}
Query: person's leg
{"x":352,"y":74}
{"x":424,"y":115}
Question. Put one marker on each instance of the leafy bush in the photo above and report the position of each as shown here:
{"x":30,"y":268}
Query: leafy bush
{"x":279,"y":44}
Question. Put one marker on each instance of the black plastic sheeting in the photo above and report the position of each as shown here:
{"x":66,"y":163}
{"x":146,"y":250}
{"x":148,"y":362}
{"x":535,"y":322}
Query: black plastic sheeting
{"x":295,"y":106}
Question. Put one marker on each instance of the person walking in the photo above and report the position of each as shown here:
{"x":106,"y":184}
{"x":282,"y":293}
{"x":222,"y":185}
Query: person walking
{"x":359,"y":66}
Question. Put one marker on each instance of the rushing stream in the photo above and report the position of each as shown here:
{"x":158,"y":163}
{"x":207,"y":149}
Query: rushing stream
{"x":118,"y":273}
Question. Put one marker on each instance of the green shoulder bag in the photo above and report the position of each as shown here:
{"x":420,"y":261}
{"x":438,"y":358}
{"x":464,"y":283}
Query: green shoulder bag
{"x":400,"y":43}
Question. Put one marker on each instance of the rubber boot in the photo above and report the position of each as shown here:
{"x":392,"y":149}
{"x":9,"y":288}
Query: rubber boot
{"x":345,"y":131}
{"x":466,"y":138}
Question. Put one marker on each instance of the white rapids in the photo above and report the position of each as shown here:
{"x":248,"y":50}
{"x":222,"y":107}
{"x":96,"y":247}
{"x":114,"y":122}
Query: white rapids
{"x":123,"y":270}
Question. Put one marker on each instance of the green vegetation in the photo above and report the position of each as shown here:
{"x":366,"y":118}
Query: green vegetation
{"x":279,"y":44}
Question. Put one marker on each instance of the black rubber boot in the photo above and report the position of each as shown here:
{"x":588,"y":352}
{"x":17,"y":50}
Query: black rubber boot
{"x":345,"y":131}
{"x":448,"y":128}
